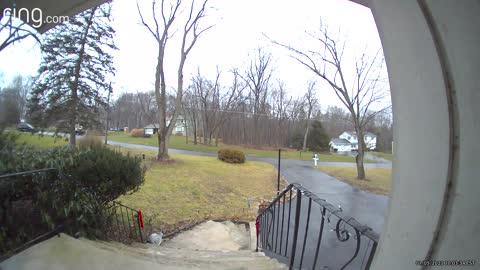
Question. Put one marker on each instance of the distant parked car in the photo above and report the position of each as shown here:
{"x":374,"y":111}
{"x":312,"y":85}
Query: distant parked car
{"x":25,"y":127}
{"x":79,"y":130}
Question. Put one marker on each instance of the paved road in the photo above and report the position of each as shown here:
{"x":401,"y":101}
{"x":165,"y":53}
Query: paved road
{"x":269,"y":160}
{"x":368,"y":155}
{"x":365,"y":207}
{"x":378,"y":159}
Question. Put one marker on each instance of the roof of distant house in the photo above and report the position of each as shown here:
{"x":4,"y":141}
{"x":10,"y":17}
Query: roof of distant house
{"x":353,"y":133}
{"x":152,"y":126}
{"x":338,"y":141}
{"x":179,"y":119}
{"x":169,"y":117}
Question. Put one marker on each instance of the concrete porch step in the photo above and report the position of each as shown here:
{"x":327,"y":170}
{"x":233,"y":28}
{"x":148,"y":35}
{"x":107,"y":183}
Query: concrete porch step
{"x":65,"y":252}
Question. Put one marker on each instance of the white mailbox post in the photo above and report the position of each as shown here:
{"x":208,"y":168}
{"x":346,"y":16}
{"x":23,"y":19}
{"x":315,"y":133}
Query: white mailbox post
{"x":315,"y":159}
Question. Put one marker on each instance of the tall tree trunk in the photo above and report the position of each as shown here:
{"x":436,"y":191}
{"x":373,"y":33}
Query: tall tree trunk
{"x":161,"y":34}
{"x":205,"y":129}
{"x":160,"y":89}
{"x":186,"y":131}
{"x":360,"y":155}
{"x":77,"y":71}
{"x":195,"y":132}
{"x":216,"y":138}
{"x":255,"y":130}
{"x":307,"y":125}
{"x":162,"y":147}
{"x":305,"y":136}
{"x":244,"y":129}
{"x":210,"y":136}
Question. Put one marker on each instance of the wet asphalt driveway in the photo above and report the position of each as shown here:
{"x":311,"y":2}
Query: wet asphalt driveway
{"x":367,"y":208}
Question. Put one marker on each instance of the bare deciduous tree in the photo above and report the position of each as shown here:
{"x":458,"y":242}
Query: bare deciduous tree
{"x":310,"y":101}
{"x":15,"y":30}
{"x":257,"y":77}
{"x":18,"y":90}
{"x":225,"y":105}
{"x":190,"y":111}
{"x":280,"y":105}
{"x":336,"y":120}
{"x":161,"y":30}
{"x":211,"y":104}
{"x":148,"y":108}
{"x":366,"y":89}
{"x":206,"y":92}
{"x":134,"y":110}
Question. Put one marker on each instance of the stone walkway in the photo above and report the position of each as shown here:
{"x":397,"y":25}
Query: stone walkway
{"x":213,"y":235}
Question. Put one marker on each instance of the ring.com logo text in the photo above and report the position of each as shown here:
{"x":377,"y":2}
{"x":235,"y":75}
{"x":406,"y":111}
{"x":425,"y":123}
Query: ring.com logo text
{"x":33,"y":17}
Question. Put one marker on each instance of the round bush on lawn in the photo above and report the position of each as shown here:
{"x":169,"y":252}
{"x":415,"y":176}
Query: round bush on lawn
{"x":137,"y":133}
{"x":231,"y":156}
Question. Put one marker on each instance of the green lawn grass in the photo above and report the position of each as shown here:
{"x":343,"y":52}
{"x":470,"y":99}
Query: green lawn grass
{"x":179,"y":142}
{"x":387,"y":156}
{"x":195,"y":188}
{"x":40,"y":141}
{"x":379,"y":180}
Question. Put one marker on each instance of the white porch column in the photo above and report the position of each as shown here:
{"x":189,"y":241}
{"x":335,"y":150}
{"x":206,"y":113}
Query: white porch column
{"x":433,"y":58}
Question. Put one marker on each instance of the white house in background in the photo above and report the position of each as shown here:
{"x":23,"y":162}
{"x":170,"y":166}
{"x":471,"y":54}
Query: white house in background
{"x":178,"y":129}
{"x":340,"y":145}
{"x":351,"y":137}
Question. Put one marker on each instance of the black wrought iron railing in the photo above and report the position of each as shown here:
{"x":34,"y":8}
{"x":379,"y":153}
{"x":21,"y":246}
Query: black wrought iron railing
{"x":127,"y":224}
{"x":305,"y":232}
{"x":24,"y":173}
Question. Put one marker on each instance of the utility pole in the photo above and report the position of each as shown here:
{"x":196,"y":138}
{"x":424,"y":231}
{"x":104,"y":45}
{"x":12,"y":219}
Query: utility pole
{"x":278,"y":175}
{"x":108,"y":110}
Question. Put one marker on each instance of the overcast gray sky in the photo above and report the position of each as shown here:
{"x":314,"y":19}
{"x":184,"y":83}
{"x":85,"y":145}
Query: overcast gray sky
{"x":238,"y":31}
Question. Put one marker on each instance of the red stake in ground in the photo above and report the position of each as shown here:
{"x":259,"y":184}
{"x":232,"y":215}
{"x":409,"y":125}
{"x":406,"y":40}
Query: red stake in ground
{"x":140,"y":218}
